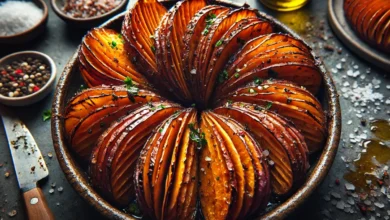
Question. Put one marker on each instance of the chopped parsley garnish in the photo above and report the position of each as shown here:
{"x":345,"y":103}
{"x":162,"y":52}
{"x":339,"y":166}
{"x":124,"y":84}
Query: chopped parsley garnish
{"x":193,"y":105}
{"x":113,"y":44}
{"x":132,"y":90}
{"x":161,"y":106}
{"x":258,"y":81}
{"x":272,"y":73}
{"x":196,"y":136}
{"x":219,"y":43}
{"x":160,"y":130}
{"x":134,"y":209}
{"x":229,"y":102}
{"x":46,"y":115}
{"x":153,"y":48}
{"x":266,"y":107}
{"x":223,"y":76}
{"x":236,"y":75}
{"x":210,"y":18}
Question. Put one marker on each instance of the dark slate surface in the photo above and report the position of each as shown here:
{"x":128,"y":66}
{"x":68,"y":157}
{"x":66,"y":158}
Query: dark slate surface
{"x":60,"y":41}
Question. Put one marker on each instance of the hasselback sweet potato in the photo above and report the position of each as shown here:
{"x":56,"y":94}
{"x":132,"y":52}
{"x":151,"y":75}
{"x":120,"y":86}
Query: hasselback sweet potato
{"x":289,"y":60}
{"x":166,"y":168}
{"x":228,"y":45}
{"x":92,"y":111}
{"x":138,"y":26}
{"x":115,"y":154}
{"x":169,"y":36}
{"x":287,"y":149}
{"x":290,"y":101}
{"x":371,"y":20}
{"x":208,"y":42}
{"x":198,"y":26}
{"x":102,"y":54}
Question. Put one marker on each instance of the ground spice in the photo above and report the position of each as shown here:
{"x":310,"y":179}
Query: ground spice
{"x":23,"y":77}
{"x":89,"y":8}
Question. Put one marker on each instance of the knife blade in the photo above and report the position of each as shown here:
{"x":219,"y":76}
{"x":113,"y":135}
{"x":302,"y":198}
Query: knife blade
{"x":29,"y":165}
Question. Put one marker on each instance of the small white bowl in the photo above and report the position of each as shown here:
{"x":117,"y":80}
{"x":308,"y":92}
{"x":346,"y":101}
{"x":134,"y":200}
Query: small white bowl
{"x":39,"y":95}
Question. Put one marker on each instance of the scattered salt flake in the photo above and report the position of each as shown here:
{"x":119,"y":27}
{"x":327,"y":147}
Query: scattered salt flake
{"x":367,"y":202}
{"x":334,"y":70}
{"x":208,"y":159}
{"x":327,"y":198}
{"x":338,"y":66}
{"x":351,"y":201}
{"x":266,"y":153}
{"x":376,"y":81}
{"x":356,"y":67}
{"x":340,"y":205}
{"x":335,"y":195}
{"x":53,"y":185}
{"x":343,"y":60}
{"x":58,"y":204}
{"x":387,"y":86}
{"x":372,"y":218}
{"x":12,"y":213}
{"x":51,"y":191}
{"x":50,"y":155}
{"x":349,"y":187}
{"x":353,"y":74}
{"x":354,"y":195}
{"x":379,"y":205}
{"x":387,"y":102}
{"x":349,"y":122}
{"x":346,"y":84}
{"x":60,"y":189}
{"x":193,"y":71}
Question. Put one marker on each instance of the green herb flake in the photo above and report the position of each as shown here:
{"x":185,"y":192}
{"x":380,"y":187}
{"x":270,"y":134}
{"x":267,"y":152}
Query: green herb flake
{"x":258,"y":81}
{"x":193,"y":105}
{"x":223,"y":76}
{"x":236,"y":75}
{"x":229,"y":102}
{"x":46,"y":115}
{"x":132,"y":90}
{"x":120,"y":36}
{"x":210,"y":17}
{"x":82,"y":88}
{"x":219,"y":43}
{"x":205,"y":32}
{"x":134,"y":209}
{"x":160,"y":130}
{"x":113,"y":44}
{"x":153,"y":48}
{"x":161,"y":106}
{"x":268,"y":105}
{"x":196,"y":136}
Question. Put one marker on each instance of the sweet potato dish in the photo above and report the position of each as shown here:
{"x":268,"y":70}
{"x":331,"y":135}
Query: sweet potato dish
{"x":200,"y":110}
{"x":371,"y":21}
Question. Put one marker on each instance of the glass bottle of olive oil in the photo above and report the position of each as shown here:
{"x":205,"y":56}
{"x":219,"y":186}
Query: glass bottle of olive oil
{"x":284,"y":5}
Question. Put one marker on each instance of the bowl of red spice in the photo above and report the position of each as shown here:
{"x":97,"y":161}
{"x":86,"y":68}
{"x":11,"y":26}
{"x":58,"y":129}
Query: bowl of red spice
{"x":87,"y":13}
{"x":26,"y":78}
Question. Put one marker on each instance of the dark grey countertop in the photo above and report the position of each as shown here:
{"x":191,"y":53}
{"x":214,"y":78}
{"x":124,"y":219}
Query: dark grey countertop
{"x":60,"y":41}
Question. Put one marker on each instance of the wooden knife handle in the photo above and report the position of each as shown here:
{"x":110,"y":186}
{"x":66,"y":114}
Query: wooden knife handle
{"x":36,"y":205}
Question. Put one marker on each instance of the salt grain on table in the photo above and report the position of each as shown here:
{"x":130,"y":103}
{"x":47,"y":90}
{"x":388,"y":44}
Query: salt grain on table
{"x":340,"y":205}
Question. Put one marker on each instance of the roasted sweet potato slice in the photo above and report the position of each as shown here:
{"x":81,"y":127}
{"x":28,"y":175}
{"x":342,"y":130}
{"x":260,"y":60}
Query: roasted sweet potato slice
{"x":229,"y":44}
{"x":207,"y":43}
{"x":280,"y":139}
{"x":114,"y":156}
{"x":198,"y":26}
{"x":170,"y":47}
{"x":162,"y":168}
{"x":90,"y":112}
{"x":138,"y":26}
{"x":218,"y":184}
{"x":287,"y":62}
{"x":257,"y":188}
{"x":103,"y":50}
{"x":290,"y":101}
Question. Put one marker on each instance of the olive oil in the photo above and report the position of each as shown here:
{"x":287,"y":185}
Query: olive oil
{"x":376,"y":155}
{"x":284,"y":5}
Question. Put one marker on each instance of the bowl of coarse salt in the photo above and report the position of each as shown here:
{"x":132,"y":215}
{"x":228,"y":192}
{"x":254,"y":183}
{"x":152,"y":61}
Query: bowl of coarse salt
{"x":22,"y":21}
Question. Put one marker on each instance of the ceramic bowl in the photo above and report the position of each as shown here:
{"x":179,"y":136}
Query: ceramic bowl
{"x":76,"y":174}
{"x":31,"y":33}
{"x":39,"y":95}
{"x":85,"y":22}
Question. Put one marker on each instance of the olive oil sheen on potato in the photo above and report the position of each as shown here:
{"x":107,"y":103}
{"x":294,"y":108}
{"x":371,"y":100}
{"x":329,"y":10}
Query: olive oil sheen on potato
{"x":284,"y":5}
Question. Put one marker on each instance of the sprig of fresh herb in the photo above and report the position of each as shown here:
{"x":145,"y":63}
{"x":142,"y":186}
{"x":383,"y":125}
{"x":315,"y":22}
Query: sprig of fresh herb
{"x":132,"y":90}
{"x":196,"y":136}
{"x":223,"y":76}
{"x":46,"y":115}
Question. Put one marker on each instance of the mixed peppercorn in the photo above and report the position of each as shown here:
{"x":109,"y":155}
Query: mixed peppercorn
{"x":23,"y":77}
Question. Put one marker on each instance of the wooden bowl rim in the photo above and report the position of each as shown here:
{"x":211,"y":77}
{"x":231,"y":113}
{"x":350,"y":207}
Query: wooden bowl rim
{"x":74,"y":174}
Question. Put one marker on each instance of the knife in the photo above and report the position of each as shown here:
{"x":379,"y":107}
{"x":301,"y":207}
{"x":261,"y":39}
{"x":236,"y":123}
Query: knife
{"x":29,"y":165}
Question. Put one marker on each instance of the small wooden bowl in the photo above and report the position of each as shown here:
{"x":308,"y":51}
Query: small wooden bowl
{"x":85,"y":22}
{"x":32,"y":32}
{"x":39,"y":95}
{"x":69,"y":83}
